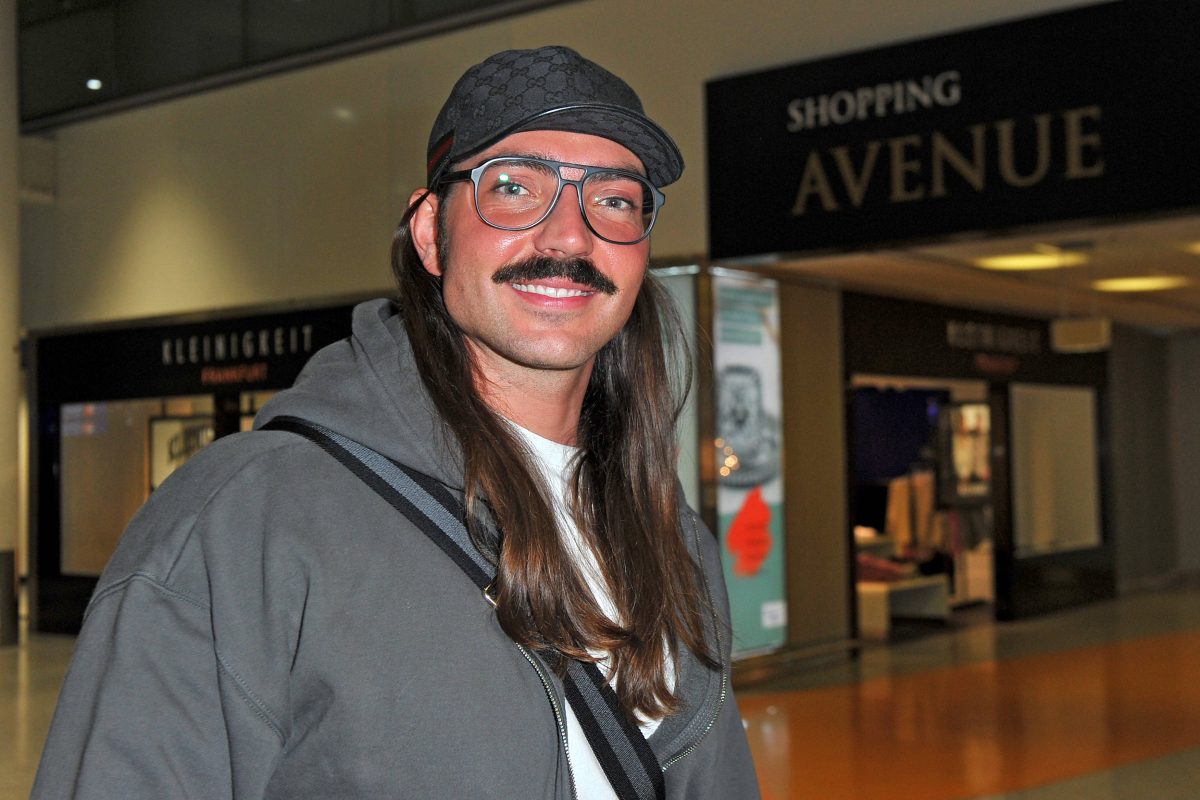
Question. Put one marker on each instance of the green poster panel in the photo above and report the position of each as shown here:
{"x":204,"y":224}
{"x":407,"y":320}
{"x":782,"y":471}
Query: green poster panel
{"x":749,"y":458}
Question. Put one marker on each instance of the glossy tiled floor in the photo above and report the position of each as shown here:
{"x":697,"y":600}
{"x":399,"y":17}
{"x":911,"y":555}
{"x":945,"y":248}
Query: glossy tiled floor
{"x":1098,"y":703}
{"x":30,"y":675}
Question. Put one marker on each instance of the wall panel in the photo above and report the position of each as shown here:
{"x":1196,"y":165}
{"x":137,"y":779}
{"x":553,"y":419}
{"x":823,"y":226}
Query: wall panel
{"x":288,"y":187}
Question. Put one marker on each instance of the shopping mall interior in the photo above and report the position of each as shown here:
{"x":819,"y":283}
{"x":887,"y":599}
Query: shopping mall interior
{"x":939,"y":263}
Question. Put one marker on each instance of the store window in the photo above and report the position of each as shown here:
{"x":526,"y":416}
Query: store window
{"x":921,"y":501}
{"x":113,"y":455}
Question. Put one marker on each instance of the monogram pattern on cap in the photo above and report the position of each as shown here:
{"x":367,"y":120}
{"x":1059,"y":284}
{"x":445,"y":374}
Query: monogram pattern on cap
{"x":514,"y":90}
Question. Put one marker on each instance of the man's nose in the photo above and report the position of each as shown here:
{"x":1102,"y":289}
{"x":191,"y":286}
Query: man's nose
{"x":565,"y":234}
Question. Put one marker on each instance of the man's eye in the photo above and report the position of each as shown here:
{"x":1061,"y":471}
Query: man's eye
{"x":613,"y":202}
{"x":507,"y":185}
{"x":615,"y":194}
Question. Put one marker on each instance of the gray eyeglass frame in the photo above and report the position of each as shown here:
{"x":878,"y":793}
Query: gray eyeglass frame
{"x":472,"y":175}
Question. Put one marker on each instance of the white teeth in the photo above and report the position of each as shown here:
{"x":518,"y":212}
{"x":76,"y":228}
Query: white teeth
{"x":549,"y":291}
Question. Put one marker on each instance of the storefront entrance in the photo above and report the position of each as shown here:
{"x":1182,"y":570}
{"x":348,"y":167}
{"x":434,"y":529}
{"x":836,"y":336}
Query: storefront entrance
{"x":920,"y":502}
{"x":975,"y":467}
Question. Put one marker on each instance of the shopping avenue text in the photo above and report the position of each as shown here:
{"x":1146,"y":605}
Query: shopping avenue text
{"x":881,"y":100}
{"x":1016,"y":153}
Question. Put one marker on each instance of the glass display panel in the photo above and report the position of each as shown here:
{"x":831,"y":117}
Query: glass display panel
{"x":107,"y":468}
{"x":1055,"y":473}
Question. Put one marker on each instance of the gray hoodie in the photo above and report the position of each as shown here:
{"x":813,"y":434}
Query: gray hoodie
{"x":270,"y":628}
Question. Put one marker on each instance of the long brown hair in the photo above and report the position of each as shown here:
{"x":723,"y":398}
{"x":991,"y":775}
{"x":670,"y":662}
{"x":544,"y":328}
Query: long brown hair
{"x":625,"y":490}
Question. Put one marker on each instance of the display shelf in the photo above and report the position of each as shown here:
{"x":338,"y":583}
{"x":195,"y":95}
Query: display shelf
{"x":924,"y":597}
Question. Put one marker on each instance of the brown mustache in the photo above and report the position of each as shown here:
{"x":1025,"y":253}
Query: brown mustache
{"x":577,"y":270}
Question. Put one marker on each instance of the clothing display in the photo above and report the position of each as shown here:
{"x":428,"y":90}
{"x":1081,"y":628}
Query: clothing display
{"x":270,"y":628}
{"x":881,"y":570}
{"x":913,"y":520}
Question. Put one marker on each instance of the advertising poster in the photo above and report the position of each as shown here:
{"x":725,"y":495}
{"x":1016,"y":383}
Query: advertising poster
{"x":966,"y":434}
{"x":749,"y":458}
{"x":173,"y":440}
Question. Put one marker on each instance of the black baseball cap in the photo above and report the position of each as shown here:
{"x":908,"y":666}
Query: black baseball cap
{"x":549,"y":88}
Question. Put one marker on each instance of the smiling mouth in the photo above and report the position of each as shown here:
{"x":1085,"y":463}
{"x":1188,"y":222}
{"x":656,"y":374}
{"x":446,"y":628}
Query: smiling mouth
{"x":550,"y":291}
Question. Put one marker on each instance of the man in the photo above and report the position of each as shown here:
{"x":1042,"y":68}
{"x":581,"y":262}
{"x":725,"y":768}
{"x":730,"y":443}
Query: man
{"x":271,"y":627}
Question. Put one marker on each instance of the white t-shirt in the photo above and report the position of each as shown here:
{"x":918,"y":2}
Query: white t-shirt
{"x":554,"y":459}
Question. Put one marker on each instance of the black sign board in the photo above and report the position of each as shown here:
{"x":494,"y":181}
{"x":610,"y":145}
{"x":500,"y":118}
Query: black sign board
{"x":1088,"y":113}
{"x":241,"y":353}
{"x":885,"y":336}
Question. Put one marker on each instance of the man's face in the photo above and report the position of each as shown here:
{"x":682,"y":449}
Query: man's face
{"x":520,"y":322}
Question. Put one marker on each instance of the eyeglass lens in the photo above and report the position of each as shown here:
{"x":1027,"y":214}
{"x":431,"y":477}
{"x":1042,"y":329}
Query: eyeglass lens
{"x":518,"y":193}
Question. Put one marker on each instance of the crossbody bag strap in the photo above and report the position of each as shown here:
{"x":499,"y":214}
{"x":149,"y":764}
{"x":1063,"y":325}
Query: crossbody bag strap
{"x":626,"y":758}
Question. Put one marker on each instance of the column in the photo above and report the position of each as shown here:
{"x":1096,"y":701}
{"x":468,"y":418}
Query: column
{"x":9,"y":315}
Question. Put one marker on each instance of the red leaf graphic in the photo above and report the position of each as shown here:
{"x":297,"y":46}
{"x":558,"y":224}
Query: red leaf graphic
{"x":749,"y":537}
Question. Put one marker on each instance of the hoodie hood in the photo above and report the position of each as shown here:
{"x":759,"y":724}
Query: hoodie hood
{"x":367,"y":388}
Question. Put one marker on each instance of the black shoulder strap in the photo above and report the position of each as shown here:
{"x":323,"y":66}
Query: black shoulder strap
{"x":628,"y":762}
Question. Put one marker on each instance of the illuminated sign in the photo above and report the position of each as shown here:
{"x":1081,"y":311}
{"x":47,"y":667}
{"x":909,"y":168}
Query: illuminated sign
{"x":1070,"y":116}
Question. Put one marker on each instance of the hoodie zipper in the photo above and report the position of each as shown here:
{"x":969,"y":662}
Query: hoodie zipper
{"x":560,"y":722}
{"x":712,"y":721}
{"x":558,"y":717}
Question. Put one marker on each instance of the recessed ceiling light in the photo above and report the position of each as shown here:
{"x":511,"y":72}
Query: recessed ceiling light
{"x":95,"y":84}
{"x":1143,"y":283}
{"x":1193,"y":248}
{"x":1015,"y":262}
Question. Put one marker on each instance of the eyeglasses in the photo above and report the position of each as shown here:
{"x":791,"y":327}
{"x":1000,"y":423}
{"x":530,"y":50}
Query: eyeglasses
{"x":515,"y":194}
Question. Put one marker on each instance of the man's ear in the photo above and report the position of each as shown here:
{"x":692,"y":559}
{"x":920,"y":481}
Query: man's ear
{"x":423,"y":229}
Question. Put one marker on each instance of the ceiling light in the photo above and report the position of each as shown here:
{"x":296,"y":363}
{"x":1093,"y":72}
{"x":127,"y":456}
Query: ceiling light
{"x":95,"y":84}
{"x":1144,"y":283}
{"x":1193,"y":248}
{"x":1015,"y":262}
